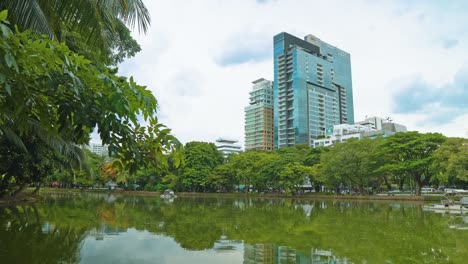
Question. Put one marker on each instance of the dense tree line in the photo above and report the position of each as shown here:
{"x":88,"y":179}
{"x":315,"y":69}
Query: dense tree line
{"x":401,"y":161}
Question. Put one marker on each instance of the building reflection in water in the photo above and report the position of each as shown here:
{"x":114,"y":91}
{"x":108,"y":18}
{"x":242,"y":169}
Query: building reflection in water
{"x":271,"y":254}
{"x":105,"y":231}
{"x":225,"y":245}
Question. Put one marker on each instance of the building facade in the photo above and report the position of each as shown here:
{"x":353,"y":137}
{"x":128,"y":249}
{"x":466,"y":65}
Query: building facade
{"x":312,"y":89}
{"x":259,"y":116}
{"x":101,"y":150}
{"x":374,"y":122}
{"x":371,"y":127}
{"x":227,"y":146}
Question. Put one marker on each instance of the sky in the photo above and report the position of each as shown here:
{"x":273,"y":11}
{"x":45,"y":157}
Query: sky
{"x":409,"y":59}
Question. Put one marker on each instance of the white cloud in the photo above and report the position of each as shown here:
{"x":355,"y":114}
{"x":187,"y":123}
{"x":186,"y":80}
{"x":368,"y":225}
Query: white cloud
{"x":202,"y":99}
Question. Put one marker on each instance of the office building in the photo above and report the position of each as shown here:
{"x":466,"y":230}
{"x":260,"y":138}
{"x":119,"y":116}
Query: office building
{"x":227,"y":146}
{"x":312,"y":89}
{"x":259,"y":117}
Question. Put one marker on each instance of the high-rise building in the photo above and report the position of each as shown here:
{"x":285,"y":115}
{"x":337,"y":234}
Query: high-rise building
{"x":312,"y":89}
{"x":259,"y":116}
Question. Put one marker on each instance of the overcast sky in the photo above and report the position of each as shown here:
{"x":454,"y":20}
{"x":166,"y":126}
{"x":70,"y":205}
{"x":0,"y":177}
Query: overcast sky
{"x":409,"y":59}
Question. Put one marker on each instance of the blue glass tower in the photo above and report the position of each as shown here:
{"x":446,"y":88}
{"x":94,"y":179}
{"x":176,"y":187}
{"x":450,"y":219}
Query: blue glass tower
{"x":312,"y":89}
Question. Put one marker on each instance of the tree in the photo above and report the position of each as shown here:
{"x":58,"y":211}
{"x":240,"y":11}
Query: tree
{"x":245,"y":168}
{"x":293,"y":176}
{"x":350,"y":164}
{"x":52,"y":96}
{"x":102,"y":25}
{"x":222,"y":178}
{"x":451,"y":162}
{"x":411,"y":154}
{"x":200,"y":159}
{"x":18,"y":168}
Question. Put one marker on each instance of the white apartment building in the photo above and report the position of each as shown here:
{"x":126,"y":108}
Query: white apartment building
{"x":371,"y":127}
{"x":101,"y":150}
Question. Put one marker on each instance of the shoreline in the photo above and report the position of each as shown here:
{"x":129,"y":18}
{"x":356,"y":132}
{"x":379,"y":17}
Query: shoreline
{"x":312,"y":196}
{"x":22,"y":199}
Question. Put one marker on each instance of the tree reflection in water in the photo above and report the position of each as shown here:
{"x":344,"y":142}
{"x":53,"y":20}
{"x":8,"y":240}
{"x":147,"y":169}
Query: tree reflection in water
{"x":261,"y":230}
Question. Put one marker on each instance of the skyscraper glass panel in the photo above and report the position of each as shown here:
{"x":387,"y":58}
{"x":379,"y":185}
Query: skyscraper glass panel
{"x":312,"y":89}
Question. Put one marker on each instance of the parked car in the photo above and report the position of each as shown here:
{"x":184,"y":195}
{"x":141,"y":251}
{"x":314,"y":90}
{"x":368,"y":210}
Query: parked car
{"x":427,"y":190}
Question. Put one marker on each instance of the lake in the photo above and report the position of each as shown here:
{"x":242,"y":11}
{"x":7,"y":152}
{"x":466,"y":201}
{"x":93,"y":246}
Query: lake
{"x":102,"y":228}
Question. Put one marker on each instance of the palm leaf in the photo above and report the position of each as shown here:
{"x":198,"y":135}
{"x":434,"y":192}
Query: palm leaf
{"x":11,"y":136}
{"x":27,"y":14}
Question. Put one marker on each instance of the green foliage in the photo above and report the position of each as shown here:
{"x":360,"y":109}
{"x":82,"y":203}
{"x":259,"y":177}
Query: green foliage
{"x":451,"y":162}
{"x":411,"y":154}
{"x":54,"y":97}
{"x":293,"y":176}
{"x":351,"y":164}
{"x":200,"y":159}
{"x":103,"y":24}
{"x":19,"y":168}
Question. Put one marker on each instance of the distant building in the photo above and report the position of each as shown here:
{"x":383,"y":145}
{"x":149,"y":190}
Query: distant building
{"x":374,"y":122}
{"x":371,"y":127}
{"x":101,"y":150}
{"x":312,"y":89}
{"x":385,"y":125}
{"x":228,"y":146}
{"x":259,"y":117}
{"x":341,"y":133}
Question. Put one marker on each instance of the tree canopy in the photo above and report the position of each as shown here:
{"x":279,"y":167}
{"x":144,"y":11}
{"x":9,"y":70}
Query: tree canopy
{"x":101,"y":26}
{"x":411,"y":154}
{"x":52,"y":98}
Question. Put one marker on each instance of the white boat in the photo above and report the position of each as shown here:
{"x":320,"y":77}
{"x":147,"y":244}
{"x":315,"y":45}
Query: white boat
{"x":450,"y":205}
{"x":441,"y":208}
{"x":456,"y":191}
{"x":168,"y":194}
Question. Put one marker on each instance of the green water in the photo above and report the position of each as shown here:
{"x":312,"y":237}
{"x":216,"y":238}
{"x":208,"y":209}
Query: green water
{"x":111,"y":229}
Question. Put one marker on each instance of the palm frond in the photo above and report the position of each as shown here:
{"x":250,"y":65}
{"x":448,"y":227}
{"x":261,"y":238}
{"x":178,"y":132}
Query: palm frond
{"x":135,"y":12}
{"x":27,"y":14}
{"x":11,"y":136}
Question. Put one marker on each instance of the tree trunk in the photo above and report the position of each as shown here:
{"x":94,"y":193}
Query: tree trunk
{"x":20,"y":189}
{"x":37,"y":189}
{"x":389,"y":186}
{"x":419,"y":184}
{"x":4,"y":184}
{"x":361,"y":189}
{"x":337,"y":190}
{"x":401,"y":183}
{"x":317,"y":188}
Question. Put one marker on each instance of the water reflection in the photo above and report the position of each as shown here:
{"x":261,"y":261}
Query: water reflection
{"x":271,"y":254}
{"x":112,"y":229}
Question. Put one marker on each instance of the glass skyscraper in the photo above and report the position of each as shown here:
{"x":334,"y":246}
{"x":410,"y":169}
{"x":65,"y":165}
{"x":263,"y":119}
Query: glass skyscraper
{"x":312,"y":89}
{"x":259,"y":117}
